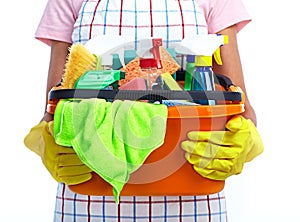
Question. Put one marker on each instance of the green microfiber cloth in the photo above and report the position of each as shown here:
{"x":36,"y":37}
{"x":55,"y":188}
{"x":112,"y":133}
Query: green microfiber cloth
{"x":112,"y":138}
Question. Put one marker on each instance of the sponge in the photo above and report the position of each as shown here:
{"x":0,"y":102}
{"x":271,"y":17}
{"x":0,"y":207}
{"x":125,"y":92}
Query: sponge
{"x":169,"y":82}
{"x":137,"y":83}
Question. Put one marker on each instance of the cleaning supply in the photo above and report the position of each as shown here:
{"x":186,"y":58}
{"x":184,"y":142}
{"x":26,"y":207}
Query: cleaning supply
{"x":203,"y":77}
{"x":99,"y":79}
{"x":113,"y":139}
{"x":205,"y":45}
{"x":189,"y":69}
{"x":129,"y":55}
{"x":220,"y":154}
{"x":169,"y":64}
{"x":61,"y":162}
{"x":105,"y":62}
{"x":201,"y":48}
{"x":156,"y":44}
{"x":149,"y":71}
{"x":150,"y":179}
{"x":166,"y":165}
{"x":169,"y":82}
{"x":137,"y":83}
{"x":78,"y":62}
{"x":178,"y":103}
{"x":132,"y":70}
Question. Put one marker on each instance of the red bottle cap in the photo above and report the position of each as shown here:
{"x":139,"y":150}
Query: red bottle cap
{"x":148,"y":63}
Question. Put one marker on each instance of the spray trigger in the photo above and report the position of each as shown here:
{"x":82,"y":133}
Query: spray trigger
{"x":121,"y":55}
{"x":156,"y":43}
{"x":217,"y":53}
{"x":217,"y":56}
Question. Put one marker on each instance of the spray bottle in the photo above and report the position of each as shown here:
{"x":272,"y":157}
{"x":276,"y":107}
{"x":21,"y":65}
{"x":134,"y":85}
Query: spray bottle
{"x":102,"y":78}
{"x":201,"y":48}
{"x":189,"y":69}
{"x":203,"y":77}
{"x":150,"y":72}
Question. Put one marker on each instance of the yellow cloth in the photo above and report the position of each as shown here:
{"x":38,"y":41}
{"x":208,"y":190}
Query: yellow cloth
{"x":220,"y":154}
{"x":62,"y":162}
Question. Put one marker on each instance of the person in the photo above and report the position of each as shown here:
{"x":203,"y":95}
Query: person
{"x":66,"y":22}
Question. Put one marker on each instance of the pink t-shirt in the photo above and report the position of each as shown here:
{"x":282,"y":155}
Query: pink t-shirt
{"x":60,"y":15}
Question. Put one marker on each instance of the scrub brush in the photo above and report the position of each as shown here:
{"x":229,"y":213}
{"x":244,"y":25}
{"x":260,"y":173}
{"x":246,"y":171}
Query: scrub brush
{"x":78,"y":62}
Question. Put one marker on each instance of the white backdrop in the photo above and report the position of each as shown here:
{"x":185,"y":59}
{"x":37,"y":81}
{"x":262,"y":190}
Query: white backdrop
{"x":267,"y":190}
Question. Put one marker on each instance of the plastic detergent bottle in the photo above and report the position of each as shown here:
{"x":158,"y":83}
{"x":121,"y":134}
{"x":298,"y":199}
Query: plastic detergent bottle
{"x":151,"y":73}
{"x":189,"y":69}
{"x":203,"y":78}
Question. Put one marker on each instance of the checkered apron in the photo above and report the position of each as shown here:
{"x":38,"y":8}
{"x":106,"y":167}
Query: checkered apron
{"x":71,"y":207}
{"x":170,"y":20}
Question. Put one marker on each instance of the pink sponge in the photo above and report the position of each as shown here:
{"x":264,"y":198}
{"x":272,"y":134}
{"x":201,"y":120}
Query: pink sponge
{"x":137,"y":83}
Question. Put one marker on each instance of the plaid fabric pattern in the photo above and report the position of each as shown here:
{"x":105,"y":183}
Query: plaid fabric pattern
{"x":170,"y":20}
{"x":81,"y":208}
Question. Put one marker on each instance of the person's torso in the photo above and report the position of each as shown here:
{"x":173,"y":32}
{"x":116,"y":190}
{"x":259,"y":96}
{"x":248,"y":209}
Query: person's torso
{"x":171,"y":20}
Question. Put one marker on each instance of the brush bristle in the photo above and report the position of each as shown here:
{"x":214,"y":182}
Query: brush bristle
{"x":78,"y":62}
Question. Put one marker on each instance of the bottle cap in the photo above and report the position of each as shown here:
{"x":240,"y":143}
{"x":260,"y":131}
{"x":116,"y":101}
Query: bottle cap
{"x":148,"y":63}
{"x":190,"y":58}
{"x":203,"y":60}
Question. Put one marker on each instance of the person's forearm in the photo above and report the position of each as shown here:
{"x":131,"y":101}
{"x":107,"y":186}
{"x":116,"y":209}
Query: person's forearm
{"x":58,"y":57}
{"x":232,"y":67}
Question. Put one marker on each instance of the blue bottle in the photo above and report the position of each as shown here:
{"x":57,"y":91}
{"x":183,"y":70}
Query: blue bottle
{"x":203,"y":77}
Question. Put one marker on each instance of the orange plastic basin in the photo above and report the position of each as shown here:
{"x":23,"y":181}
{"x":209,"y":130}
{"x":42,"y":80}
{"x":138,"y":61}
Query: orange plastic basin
{"x":166,"y":171}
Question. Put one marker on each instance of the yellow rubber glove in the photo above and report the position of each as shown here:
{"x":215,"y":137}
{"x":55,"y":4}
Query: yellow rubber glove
{"x":219,"y":154}
{"x":62,"y":162}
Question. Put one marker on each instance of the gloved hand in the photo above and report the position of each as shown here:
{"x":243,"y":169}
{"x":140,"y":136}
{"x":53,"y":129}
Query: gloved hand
{"x":62,"y":162}
{"x":219,"y":154}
